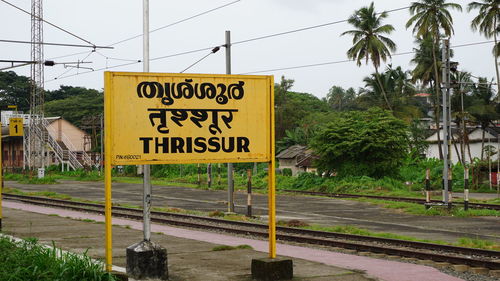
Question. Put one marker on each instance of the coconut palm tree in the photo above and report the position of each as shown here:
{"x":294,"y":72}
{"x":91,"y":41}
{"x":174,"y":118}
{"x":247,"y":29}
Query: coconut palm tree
{"x":432,"y":18}
{"x":368,"y":40}
{"x":488,"y":23}
{"x":399,"y":91}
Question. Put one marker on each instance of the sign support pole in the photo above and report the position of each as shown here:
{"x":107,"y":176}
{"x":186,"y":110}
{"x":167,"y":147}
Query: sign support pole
{"x":1,"y":176}
{"x":146,"y":203}
{"x":107,"y":183}
{"x":271,"y":185}
{"x":230,"y":180}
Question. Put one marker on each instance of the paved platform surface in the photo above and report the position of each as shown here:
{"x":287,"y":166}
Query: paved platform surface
{"x":190,"y":252}
{"x":314,"y":210}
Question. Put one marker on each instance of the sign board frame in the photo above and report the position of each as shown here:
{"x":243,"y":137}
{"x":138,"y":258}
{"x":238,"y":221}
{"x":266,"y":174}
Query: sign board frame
{"x":112,"y":89}
{"x":157,"y":118}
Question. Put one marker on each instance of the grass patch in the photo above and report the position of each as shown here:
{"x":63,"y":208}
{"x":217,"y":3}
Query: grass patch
{"x":229,"y":248}
{"x":419,"y":209}
{"x":349,"y":229}
{"x":35,"y":180}
{"x":477,"y":243}
{"x":28,"y":260}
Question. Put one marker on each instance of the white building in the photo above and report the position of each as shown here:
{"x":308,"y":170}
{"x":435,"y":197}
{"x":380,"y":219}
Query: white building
{"x":475,"y":136}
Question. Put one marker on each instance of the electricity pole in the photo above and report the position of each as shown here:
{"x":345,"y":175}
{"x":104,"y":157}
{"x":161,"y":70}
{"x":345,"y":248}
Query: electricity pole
{"x":446,"y":116}
{"x":230,"y":180}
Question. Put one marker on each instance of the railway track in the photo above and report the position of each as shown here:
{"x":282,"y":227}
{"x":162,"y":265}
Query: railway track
{"x":390,"y":198}
{"x":394,"y":247}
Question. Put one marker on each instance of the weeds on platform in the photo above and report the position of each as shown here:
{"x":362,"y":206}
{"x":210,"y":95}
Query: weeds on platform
{"x":27,"y":260}
{"x":229,"y":248}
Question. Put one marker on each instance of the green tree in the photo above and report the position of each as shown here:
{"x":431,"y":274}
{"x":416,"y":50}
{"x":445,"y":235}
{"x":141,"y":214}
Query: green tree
{"x":295,"y":108}
{"x":417,"y":139}
{"x":340,"y":99}
{"x":369,"y":42}
{"x":280,"y":100}
{"x":76,"y":108}
{"x":488,"y":23}
{"x":399,"y":90}
{"x":68,"y":91}
{"x":14,"y":90}
{"x":432,"y":18}
{"x":372,"y":143}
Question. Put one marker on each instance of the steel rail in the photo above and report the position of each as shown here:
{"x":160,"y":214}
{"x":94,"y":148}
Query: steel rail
{"x":487,"y":257}
{"x":390,"y":198}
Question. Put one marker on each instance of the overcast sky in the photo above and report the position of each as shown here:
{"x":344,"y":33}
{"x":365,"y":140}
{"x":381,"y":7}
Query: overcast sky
{"x":109,"y":21}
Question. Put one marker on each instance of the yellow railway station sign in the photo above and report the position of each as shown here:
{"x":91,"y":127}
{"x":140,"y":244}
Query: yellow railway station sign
{"x":164,"y":118}
{"x":16,"y":126}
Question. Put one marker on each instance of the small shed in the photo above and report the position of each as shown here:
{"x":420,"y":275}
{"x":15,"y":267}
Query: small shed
{"x":297,"y":158}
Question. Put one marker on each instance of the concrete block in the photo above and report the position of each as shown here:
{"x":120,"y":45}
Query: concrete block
{"x":378,"y":255}
{"x":495,"y":273}
{"x":146,"y":260}
{"x":393,"y":257}
{"x":442,"y":264}
{"x":479,"y":270}
{"x":364,"y":253}
{"x":409,"y":259}
{"x":268,"y":269}
{"x":349,"y":251}
{"x":460,"y":267}
{"x":426,"y":262}
{"x":120,"y":276}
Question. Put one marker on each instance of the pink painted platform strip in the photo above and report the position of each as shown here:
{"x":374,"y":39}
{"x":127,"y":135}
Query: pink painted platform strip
{"x":382,"y":269}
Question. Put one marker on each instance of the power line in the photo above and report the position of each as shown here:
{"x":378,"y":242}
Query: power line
{"x":237,"y":42}
{"x":261,"y":71}
{"x":118,"y":59}
{"x":343,"y":61}
{"x":157,"y":29}
{"x":214,"y":50}
{"x":49,"y":23}
{"x":175,"y":23}
{"x":306,"y":28}
{"x":55,"y":44}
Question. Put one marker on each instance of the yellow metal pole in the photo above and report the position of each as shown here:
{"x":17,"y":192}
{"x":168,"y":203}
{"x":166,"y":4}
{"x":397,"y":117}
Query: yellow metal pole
{"x":107,"y":177}
{"x":1,"y":176}
{"x":272,"y":181}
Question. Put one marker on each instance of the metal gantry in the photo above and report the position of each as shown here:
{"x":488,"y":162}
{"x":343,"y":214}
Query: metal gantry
{"x":34,"y":147}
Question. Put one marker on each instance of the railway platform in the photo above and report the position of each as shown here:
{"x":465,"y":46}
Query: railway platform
{"x":192,"y":254}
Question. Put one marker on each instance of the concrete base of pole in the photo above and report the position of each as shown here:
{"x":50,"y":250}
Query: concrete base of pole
{"x":146,"y":260}
{"x":268,"y":269}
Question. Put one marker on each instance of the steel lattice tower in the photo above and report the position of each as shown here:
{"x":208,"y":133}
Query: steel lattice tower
{"x":35,"y":145}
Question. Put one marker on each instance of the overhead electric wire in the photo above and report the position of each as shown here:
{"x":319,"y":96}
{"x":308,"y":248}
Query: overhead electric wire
{"x":156,"y":29}
{"x":214,"y":50}
{"x":268,"y":70}
{"x":175,"y":23}
{"x":306,"y":28}
{"x":49,"y":23}
{"x":55,"y":44}
{"x":118,"y":59}
{"x":71,"y":68}
{"x":343,"y":61}
{"x":234,"y":43}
